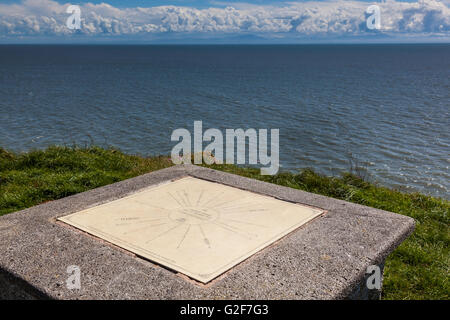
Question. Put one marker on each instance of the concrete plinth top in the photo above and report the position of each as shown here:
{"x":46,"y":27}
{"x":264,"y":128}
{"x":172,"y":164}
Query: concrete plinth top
{"x":188,"y":232}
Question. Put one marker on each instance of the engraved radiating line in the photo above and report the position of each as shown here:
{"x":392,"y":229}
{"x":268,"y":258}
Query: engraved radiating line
{"x":184,"y":197}
{"x":208,"y":201}
{"x":243,"y":211}
{"x":183,"y":203}
{"x":234,"y":230}
{"x":205,"y":239}
{"x":180,"y":195}
{"x":212,"y":199}
{"x":254,"y":224}
{"x":237,"y":205}
{"x":231,"y":201}
{"x":187,"y":198}
{"x":165,"y":232}
{"x":201,"y":195}
{"x":218,"y":206}
{"x":151,"y":205}
{"x":175,"y":199}
{"x":248,"y":206}
{"x":140,"y":221}
{"x":184,"y":236}
{"x":243,"y":202}
{"x":146,"y":227}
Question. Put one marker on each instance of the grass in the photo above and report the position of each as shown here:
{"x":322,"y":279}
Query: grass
{"x":417,"y":269}
{"x":44,"y":175}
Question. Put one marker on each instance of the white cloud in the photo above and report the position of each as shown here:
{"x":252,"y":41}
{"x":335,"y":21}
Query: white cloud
{"x":48,"y":18}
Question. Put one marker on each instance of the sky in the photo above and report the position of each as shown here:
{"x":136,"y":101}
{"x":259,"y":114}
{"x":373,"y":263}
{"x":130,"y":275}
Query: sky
{"x":218,"y":21}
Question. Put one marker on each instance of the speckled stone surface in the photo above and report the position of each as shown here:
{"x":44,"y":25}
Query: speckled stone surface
{"x":324,"y":259}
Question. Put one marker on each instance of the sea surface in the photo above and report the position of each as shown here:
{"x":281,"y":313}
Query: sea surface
{"x":385,"y":108}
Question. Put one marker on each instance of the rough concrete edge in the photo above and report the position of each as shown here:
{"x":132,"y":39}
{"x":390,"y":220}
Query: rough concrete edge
{"x":357,"y":289}
{"x":354,"y":285}
{"x":22,"y":289}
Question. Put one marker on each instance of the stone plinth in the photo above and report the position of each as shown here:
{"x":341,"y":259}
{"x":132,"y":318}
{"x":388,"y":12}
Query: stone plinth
{"x":188,"y":232}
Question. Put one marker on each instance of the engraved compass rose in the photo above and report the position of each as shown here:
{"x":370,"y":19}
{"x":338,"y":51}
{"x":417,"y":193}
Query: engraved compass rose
{"x":193,"y":211}
{"x":194,"y":226}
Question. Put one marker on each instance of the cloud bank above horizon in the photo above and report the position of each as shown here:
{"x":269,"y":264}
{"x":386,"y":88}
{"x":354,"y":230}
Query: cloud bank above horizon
{"x":39,"y":19}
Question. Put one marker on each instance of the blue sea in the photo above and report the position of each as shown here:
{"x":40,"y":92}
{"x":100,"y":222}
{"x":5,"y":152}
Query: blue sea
{"x":385,"y":108}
